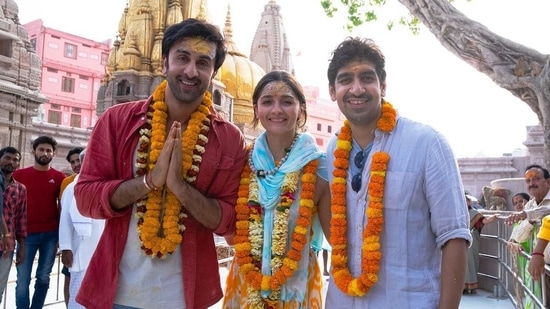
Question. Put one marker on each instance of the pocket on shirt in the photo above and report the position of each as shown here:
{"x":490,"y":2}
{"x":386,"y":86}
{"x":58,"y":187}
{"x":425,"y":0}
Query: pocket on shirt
{"x":218,"y":172}
{"x":399,"y":190}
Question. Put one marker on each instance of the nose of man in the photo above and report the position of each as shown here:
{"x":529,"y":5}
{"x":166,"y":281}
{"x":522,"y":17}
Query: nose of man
{"x":191,"y":70}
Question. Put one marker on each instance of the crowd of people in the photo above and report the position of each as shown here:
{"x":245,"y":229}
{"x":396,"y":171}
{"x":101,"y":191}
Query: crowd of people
{"x":135,"y":222}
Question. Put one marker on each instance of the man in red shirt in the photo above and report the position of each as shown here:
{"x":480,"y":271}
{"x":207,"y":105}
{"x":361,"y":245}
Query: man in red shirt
{"x":164,"y":173}
{"x":43,"y":183}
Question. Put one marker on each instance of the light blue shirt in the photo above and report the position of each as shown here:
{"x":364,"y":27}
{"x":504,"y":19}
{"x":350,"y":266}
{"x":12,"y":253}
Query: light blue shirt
{"x":424,"y":207}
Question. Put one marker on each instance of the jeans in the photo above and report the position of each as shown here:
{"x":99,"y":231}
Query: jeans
{"x":45,"y":244}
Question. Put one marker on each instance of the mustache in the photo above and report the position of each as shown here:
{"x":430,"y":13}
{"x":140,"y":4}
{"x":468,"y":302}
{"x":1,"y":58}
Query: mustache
{"x":364,"y":96}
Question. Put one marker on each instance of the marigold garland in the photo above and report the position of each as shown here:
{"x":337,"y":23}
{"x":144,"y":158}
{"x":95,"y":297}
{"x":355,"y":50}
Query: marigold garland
{"x":249,"y":234}
{"x":160,"y":214}
{"x":371,"y":255}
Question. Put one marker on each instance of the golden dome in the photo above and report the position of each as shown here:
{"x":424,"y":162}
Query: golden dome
{"x":239,"y":75}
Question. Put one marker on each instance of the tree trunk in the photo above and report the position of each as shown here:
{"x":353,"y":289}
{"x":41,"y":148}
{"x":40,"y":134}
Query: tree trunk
{"x":521,"y":70}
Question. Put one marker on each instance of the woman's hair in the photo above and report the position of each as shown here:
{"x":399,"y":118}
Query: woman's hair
{"x":524,"y":195}
{"x":292,"y":83}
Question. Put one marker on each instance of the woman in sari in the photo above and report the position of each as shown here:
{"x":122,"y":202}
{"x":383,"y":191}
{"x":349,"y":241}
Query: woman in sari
{"x":283,"y":191}
{"x":477,"y":222}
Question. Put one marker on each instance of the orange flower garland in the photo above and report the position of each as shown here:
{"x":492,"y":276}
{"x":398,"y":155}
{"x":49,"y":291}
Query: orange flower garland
{"x":371,"y":255}
{"x":160,"y":214}
{"x":249,"y":234}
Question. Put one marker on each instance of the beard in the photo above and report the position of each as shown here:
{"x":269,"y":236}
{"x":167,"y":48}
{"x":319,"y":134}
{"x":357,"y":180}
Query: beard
{"x":42,"y":160}
{"x":183,"y":96}
{"x":7,"y":169}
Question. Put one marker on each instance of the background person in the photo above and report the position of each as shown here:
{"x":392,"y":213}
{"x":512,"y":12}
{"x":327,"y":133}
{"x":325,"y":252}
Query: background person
{"x":6,"y":238}
{"x":520,"y":262}
{"x":73,"y":157}
{"x":519,"y":200}
{"x":541,"y":256}
{"x":477,"y":222}
{"x":148,"y":169}
{"x":537,"y":180}
{"x":43,"y":183}
{"x":15,"y":213}
{"x":78,"y":238}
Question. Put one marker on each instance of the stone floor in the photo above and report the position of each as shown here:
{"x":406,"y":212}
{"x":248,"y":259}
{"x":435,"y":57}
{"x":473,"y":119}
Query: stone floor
{"x":54,"y":300}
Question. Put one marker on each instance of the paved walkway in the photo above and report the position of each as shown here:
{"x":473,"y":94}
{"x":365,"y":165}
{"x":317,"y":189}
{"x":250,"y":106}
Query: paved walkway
{"x":54,"y":299}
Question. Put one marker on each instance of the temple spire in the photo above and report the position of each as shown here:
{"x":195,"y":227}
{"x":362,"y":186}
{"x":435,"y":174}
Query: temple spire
{"x":270,"y":47}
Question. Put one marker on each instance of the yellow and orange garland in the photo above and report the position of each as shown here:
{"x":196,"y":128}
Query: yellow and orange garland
{"x":160,"y":214}
{"x":371,"y":255}
{"x":249,"y":234}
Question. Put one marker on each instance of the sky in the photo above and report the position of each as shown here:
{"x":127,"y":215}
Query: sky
{"x":425,"y":82}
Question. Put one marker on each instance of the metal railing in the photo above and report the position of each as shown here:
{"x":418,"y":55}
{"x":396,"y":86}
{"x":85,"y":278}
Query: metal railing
{"x":510,"y":277}
{"x":510,"y":280}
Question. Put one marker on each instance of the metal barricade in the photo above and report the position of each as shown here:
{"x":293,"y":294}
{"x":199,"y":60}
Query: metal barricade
{"x":509,"y":277}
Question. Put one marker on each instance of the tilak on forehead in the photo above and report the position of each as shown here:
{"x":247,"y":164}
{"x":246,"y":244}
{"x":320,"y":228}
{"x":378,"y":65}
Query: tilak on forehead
{"x":530,"y":174}
{"x":199,"y":45}
{"x":277,"y":88}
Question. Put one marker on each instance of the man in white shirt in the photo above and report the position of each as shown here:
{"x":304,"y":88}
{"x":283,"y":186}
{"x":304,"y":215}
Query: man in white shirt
{"x":399,"y":228}
{"x":537,"y":180}
{"x":78,"y":237}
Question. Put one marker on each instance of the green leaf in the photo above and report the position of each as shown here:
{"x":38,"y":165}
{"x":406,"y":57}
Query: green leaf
{"x":328,"y":7}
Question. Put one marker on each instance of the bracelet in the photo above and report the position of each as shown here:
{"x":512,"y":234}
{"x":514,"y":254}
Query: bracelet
{"x":537,"y":253}
{"x":6,"y":235}
{"x":150,"y":183}
{"x":146,"y":184}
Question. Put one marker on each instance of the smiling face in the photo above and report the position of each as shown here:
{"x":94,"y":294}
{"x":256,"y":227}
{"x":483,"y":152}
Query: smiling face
{"x":189,"y":68}
{"x":537,"y":185}
{"x":74,"y":159}
{"x":277,"y":108}
{"x":358,"y":91}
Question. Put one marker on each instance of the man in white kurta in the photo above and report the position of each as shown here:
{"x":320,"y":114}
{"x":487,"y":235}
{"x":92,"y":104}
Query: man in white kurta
{"x":78,"y":237}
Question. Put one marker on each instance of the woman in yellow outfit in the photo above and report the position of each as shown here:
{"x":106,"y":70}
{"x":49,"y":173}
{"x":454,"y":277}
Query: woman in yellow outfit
{"x":538,"y":258}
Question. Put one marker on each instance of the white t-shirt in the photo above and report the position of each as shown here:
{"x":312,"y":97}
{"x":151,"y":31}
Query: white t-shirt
{"x":146,"y":282}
